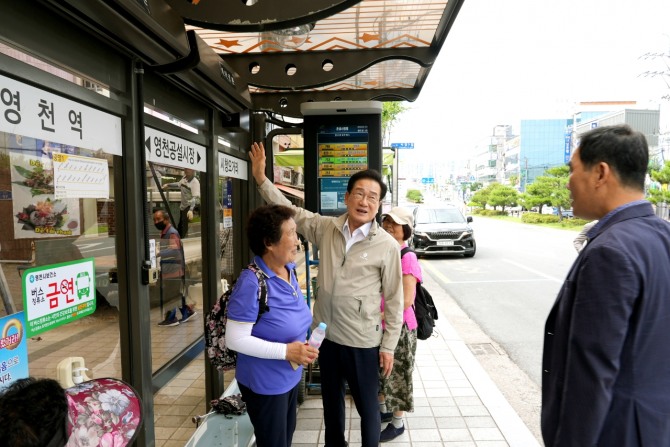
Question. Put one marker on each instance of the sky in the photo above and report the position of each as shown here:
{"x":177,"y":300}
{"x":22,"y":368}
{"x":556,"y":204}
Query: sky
{"x":504,"y":61}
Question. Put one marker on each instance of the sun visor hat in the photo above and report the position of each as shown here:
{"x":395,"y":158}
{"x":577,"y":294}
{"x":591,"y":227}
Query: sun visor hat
{"x":103,"y":412}
{"x":401,"y":216}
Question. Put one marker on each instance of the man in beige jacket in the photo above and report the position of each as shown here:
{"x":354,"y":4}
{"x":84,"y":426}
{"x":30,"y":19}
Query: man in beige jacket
{"x":358,"y":262}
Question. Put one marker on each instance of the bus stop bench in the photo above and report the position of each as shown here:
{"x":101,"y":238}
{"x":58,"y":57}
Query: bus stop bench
{"x":219,"y":430}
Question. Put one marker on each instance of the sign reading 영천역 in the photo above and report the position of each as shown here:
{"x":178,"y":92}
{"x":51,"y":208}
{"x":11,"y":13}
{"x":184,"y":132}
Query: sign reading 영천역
{"x":13,"y":349}
{"x":29,"y":111}
{"x":173,"y":151}
{"x":57,"y":294}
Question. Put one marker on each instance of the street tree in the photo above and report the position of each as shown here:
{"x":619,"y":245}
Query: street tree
{"x":550,"y":189}
{"x":502,"y":195}
{"x":661,"y":176}
{"x":481,"y":197}
{"x":391,"y":111}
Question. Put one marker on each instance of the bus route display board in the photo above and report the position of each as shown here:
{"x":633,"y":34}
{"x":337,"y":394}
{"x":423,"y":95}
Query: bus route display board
{"x":339,"y":141}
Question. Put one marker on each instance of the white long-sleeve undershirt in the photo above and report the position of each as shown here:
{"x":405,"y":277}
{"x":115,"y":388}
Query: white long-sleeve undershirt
{"x":239,"y":338}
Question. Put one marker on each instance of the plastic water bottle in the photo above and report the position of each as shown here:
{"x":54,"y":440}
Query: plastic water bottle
{"x":318,"y":334}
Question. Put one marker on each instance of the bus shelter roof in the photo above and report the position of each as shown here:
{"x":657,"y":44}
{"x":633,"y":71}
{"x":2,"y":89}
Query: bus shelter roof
{"x":294,"y":51}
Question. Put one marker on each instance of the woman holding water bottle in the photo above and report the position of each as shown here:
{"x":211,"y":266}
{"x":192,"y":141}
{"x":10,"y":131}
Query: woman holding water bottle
{"x":271,"y":348}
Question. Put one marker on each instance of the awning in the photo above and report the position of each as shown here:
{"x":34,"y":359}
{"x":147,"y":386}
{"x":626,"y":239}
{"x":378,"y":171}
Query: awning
{"x":292,"y":191}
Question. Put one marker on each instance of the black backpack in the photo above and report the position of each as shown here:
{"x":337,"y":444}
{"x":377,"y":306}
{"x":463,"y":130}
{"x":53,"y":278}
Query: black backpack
{"x":215,"y":324}
{"x":424,"y":308}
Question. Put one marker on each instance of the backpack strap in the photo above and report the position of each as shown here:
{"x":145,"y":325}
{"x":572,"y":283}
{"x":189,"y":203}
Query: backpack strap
{"x":262,"y":290}
{"x":404,"y":251}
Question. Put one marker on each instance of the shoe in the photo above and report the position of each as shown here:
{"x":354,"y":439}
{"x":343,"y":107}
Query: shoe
{"x":186,"y":313}
{"x":390,"y":433}
{"x":387,"y":417}
{"x":170,"y":318}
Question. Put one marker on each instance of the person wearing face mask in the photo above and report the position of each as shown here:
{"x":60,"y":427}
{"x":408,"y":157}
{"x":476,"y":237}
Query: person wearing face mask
{"x":172,"y":266}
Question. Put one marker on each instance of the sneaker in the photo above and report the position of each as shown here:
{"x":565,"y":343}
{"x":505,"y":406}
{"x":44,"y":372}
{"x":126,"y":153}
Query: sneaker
{"x":390,"y":433}
{"x":186,"y":313}
{"x":387,"y":417}
{"x":170,"y":318}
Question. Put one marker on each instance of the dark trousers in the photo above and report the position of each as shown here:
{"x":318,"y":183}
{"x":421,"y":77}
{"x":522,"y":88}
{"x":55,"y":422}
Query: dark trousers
{"x":182,"y":226}
{"x":359,"y":367}
{"x":273,"y":416}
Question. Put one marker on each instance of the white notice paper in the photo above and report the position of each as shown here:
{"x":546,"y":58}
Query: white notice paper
{"x":77,"y":177}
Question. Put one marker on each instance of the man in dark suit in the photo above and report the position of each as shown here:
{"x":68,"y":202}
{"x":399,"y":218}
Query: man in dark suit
{"x":606,"y":363}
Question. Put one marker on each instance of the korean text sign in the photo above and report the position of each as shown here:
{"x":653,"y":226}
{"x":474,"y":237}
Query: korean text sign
{"x":57,"y":294}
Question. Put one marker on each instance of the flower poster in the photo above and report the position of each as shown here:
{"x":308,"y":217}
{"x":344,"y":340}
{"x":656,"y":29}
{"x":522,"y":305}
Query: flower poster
{"x":36,"y":211}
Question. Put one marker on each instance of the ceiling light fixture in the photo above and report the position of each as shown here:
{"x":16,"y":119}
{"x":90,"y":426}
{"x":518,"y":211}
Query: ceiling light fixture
{"x":292,"y":37}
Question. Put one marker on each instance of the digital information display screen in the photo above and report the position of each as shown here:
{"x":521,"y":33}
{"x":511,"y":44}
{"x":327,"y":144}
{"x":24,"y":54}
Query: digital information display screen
{"x":342,"y":150}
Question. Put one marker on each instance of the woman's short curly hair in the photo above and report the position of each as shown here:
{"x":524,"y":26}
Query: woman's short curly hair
{"x":264,"y":226}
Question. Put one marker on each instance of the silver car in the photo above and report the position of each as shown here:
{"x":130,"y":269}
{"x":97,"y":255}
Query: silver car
{"x":442,"y":230}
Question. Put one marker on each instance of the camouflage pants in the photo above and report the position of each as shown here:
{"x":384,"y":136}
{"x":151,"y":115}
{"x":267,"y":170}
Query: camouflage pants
{"x":397,"y":388}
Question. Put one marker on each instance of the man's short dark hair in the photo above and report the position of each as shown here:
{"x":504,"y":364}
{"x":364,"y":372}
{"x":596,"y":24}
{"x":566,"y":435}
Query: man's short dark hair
{"x":368,"y":174}
{"x":625,"y":150}
{"x":264,"y":226}
{"x":33,"y":412}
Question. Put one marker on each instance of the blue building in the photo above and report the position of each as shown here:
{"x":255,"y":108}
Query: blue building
{"x":546,"y":143}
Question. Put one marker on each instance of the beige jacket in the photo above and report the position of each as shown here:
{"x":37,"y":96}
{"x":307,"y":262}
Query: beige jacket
{"x":351,"y":283}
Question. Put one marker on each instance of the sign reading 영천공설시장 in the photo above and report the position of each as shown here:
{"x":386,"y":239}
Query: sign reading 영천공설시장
{"x":56,"y":294}
{"x":13,"y":349}
{"x":169,"y":150}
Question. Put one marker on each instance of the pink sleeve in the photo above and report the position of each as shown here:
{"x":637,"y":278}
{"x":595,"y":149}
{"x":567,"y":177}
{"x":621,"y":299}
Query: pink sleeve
{"x":410,"y":266}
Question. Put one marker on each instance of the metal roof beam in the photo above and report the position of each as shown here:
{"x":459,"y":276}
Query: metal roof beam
{"x":309,"y":68}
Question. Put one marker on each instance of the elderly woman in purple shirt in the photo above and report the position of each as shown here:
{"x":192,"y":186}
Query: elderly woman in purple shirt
{"x":271,"y":348}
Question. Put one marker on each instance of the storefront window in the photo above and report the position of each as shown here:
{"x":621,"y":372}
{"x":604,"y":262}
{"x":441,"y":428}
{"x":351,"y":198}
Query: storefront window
{"x":58,"y":252}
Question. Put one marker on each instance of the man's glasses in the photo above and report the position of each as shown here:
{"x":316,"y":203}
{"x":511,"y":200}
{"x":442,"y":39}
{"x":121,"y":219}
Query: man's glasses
{"x":360,"y":195}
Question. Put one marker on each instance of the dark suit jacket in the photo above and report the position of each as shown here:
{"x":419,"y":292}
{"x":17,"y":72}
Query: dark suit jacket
{"x":606,"y":361}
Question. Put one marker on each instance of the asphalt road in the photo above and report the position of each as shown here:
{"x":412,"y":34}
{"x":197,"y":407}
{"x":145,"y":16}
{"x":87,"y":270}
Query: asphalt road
{"x":510,"y":285}
{"x":499,"y":300}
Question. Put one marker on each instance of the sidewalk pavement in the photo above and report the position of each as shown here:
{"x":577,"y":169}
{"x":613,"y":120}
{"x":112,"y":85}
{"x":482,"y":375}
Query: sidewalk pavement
{"x":456,"y":403}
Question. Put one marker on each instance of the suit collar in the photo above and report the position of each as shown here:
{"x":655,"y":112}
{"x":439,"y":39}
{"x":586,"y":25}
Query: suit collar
{"x":631,"y":210}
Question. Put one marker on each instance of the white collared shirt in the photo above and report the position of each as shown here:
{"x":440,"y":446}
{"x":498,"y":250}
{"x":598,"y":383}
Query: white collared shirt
{"x":359,"y":233}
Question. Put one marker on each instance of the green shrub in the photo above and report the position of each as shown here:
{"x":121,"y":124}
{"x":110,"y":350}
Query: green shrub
{"x":414,"y":195}
{"x":535,"y":218}
{"x":492,"y":213}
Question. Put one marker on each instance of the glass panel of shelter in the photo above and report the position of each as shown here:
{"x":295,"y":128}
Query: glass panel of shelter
{"x":180,"y":278}
{"x":44,"y":229}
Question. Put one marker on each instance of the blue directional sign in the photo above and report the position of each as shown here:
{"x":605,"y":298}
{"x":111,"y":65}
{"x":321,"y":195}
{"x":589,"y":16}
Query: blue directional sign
{"x":428,"y":180}
{"x":402,"y":145}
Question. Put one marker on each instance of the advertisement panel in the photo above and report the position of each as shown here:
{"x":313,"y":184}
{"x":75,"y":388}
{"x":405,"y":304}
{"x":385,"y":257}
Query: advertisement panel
{"x":13,"y":349}
{"x":57,"y":294}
